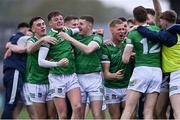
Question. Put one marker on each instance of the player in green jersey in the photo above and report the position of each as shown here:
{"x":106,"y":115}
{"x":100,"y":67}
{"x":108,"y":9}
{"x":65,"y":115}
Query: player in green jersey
{"x":88,"y":67}
{"x":116,"y":73}
{"x":62,"y":75}
{"x":37,"y":77}
{"x":169,"y":38}
{"x":147,"y":75}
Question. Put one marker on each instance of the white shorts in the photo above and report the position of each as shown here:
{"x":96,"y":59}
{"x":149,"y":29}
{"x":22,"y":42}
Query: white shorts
{"x":174,"y":84}
{"x":91,"y":86}
{"x":39,"y":93}
{"x":25,"y":95}
{"x":165,"y":84}
{"x":146,"y":79}
{"x":115,"y":95}
{"x":61,"y":84}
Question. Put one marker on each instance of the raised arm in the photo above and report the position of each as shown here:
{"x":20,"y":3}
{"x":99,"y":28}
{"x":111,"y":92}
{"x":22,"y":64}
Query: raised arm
{"x":158,"y":10}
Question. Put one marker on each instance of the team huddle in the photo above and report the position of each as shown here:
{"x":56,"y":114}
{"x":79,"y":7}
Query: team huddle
{"x":58,"y":73}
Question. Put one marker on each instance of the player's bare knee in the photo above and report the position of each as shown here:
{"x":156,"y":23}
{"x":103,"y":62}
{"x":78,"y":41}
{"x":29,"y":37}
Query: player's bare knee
{"x":77,"y":107}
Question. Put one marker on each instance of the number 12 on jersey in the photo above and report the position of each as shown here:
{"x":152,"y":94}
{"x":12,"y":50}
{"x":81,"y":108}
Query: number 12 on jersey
{"x":146,"y":50}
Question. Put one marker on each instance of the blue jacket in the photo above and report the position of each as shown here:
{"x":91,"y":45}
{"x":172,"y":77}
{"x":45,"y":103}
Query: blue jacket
{"x":165,"y":37}
{"x":16,"y":60}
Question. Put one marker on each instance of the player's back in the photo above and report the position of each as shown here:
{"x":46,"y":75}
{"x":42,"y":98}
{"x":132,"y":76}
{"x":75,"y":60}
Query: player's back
{"x":147,"y":52}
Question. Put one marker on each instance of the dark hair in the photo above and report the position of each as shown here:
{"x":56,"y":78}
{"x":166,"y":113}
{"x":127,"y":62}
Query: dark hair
{"x":22,"y":25}
{"x":169,"y":15}
{"x":150,"y":11}
{"x":53,"y":14}
{"x":114,"y":22}
{"x":69,"y":18}
{"x":34,"y":19}
{"x":123,"y":19}
{"x":140,"y":14}
{"x":88,"y":18}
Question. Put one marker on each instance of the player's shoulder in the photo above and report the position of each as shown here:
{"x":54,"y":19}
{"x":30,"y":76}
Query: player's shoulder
{"x":153,"y":27}
{"x":132,"y":33}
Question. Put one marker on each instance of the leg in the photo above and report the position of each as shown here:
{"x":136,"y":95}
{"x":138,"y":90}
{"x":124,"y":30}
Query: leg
{"x":40,"y":110}
{"x":51,"y":109}
{"x":61,"y":107}
{"x":114,"y":110}
{"x":131,"y":102}
{"x":31,"y":111}
{"x":161,"y":105}
{"x":75,"y":99}
{"x":149,"y":105}
{"x":96,"y":107}
{"x":13,"y":84}
{"x":17,"y":110}
{"x":27,"y":101}
{"x":175,"y":105}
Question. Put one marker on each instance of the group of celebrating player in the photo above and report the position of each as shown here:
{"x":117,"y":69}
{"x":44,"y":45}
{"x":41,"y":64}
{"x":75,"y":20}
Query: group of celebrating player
{"x":55,"y":74}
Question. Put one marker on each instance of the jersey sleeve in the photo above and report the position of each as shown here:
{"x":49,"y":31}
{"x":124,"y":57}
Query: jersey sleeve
{"x":129,"y":40}
{"x":31,"y":40}
{"x":105,"y":55}
{"x":98,"y":39}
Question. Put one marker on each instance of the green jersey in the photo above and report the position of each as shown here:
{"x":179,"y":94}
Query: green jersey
{"x":147,"y":52}
{"x":62,"y":49}
{"x":92,"y":62}
{"x":35,"y":73}
{"x":113,"y":55}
